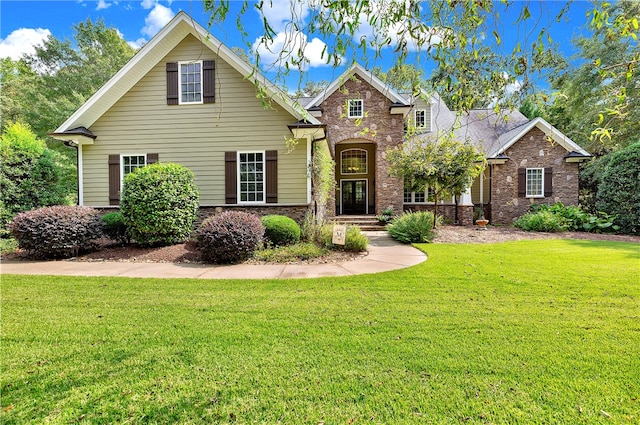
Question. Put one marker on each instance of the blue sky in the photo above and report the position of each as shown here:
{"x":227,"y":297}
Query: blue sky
{"x":24,"y":23}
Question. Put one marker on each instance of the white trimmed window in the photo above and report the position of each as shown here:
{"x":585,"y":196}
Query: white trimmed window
{"x":535,"y":182}
{"x":130,"y":163}
{"x":420,"y":118}
{"x":353,"y":161}
{"x":422,"y":197}
{"x":190,"y":77}
{"x":355,"y":108}
{"x":251,"y":169}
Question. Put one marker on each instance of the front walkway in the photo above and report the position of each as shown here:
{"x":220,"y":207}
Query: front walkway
{"x":384,"y":254}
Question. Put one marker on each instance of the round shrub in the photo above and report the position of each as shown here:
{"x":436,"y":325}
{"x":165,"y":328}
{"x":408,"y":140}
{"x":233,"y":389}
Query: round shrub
{"x":229,"y":237}
{"x":619,"y":192}
{"x":412,"y":227}
{"x":58,"y":231}
{"x":542,"y":221}
{"x":159,"y":203}
{"x":280,"y":229}
{"x":115,"y":228}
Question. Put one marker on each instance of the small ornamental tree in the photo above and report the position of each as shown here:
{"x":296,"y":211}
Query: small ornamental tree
{"x":159,"y":203}
{"x":445,"y":166}
{"x":619,"y":191}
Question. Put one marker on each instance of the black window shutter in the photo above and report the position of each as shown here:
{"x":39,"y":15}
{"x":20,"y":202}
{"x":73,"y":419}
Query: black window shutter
{"x":522,"y":182}
{"x":208,"y":81}
{"x":548,"y":182}
{"x":172,"y":83}
{"x":230,"y":178}
{"x":152,"y":158}
{"x":114,"y":179}
{"x":272,"y":176}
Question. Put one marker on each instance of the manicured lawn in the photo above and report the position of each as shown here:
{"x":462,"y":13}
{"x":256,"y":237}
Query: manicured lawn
{"x":525,"y":332}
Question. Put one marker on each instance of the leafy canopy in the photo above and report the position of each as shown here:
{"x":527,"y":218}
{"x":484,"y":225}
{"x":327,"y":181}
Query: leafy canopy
{"x":445,"y":165}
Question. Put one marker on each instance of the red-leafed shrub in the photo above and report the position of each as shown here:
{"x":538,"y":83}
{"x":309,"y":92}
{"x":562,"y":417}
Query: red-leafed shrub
{"x":58,"y":231}
{"x":229,"y":237}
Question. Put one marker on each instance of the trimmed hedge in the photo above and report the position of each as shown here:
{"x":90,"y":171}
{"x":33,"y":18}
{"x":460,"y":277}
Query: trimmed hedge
{"x":229,"y":237}
{"x":159,"y":203}
{"x":58,"y":231}
{"x":280,"y":230}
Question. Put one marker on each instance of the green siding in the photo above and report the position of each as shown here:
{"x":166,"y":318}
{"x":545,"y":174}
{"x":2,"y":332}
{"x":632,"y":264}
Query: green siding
{"x":195,"y":136}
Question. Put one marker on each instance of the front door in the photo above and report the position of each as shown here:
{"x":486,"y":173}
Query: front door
{"x":354,"y":196}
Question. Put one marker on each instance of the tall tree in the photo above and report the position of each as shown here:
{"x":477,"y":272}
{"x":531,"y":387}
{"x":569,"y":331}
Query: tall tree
{"x":45,"y":88}
{"x":70,"y":72}
{"x":402,"y":77}
{"x":598,"y":103}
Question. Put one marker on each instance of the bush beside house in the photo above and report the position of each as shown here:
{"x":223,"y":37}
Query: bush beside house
{"x":160,"y":203}
{"x":58,"y":231}
{"x":229,"y":237}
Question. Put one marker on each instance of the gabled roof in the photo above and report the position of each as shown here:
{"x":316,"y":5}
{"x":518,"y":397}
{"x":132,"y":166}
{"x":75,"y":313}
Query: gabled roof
{"x":496,"y":132}
{"x":152,"y":53}
{"x":507,"y":139}
{"x":360,"y":71}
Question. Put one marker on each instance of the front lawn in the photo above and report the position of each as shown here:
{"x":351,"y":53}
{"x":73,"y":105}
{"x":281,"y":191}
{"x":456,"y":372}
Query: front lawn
{"x":518,"y":332}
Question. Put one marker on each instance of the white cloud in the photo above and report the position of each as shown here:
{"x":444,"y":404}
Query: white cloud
{"x":421,"y":37}
{"x":148,"y":4}
{"x":157,"y":18}
{"x":102,"y":4}
{"x":22,"y":41}
{"x":293,"y":48}
{"x":279,"y":13}
{"x":138,"y":43}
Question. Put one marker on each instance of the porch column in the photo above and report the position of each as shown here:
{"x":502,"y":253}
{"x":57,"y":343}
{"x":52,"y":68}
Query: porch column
{"x":465,"y":208}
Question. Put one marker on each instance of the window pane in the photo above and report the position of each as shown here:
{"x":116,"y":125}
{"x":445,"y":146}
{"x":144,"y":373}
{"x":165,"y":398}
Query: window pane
{"x":535,"y":181}
{"x":353,"y":161}
{"x":190,"y":87}
{"x":251,"y":177}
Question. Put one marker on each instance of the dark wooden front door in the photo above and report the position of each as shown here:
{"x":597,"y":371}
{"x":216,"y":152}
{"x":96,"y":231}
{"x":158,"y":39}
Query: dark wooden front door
{"x":354,"y":197}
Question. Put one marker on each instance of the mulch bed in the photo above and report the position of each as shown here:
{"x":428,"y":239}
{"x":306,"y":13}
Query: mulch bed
{"x":186,"y":252}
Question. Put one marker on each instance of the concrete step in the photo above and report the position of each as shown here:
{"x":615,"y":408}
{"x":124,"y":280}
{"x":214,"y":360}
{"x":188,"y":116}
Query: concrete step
{"x":364,"y":222}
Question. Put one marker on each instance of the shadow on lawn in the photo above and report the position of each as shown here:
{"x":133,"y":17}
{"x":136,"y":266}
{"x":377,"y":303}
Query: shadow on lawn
{"x":632,"y":248}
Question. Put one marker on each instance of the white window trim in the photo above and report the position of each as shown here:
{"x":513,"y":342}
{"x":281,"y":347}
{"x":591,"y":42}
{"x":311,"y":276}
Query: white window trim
{"x":426,"y":197}
{"x":180,"y":102}
{"x":349,"y":108}
{"x":264,"y":179}
{"x":415,"y":119}
{"x":122,"y":155}
{"x":526,"y":182}
{"x":366,"y":161}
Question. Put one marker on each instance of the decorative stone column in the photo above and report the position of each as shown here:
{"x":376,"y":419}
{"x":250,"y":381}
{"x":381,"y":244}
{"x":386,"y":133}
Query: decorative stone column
{"x":465,"y":209}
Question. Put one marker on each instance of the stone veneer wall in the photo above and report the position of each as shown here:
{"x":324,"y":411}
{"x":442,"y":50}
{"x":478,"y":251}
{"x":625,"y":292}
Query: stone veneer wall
{"x":378,"y":126}
{"x":531,"y":151}
{"x":296,"y":212}
{"x":465,"y":212}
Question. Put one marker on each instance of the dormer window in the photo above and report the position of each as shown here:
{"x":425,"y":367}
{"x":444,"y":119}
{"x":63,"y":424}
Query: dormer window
{"x":355,"y":108}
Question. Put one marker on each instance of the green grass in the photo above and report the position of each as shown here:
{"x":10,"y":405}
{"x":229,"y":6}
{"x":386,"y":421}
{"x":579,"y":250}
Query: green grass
{"x":526,"y":332}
